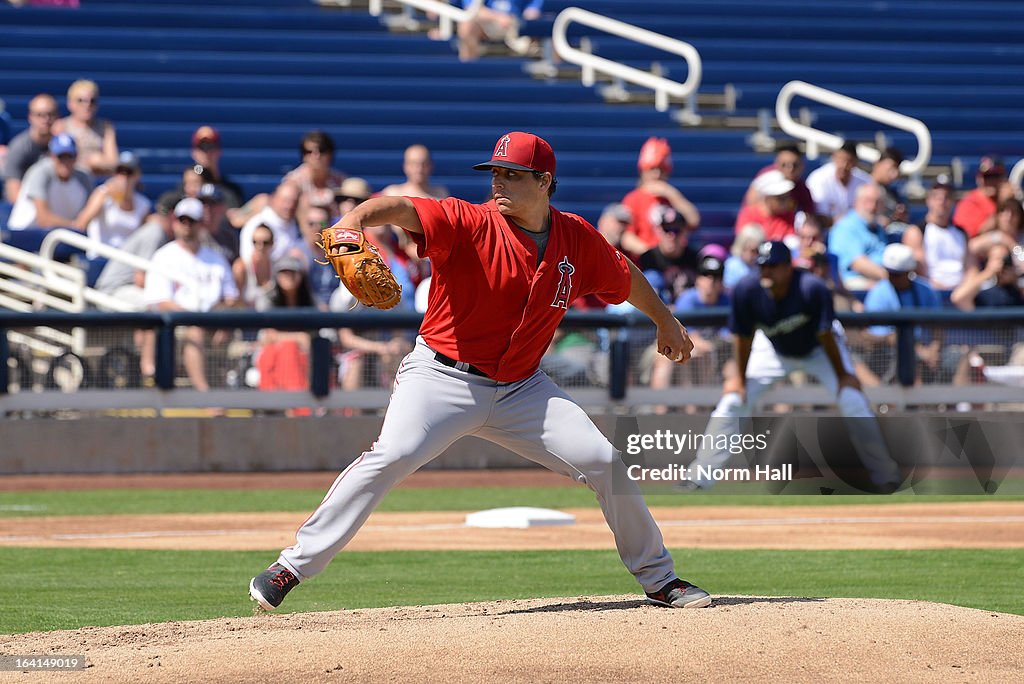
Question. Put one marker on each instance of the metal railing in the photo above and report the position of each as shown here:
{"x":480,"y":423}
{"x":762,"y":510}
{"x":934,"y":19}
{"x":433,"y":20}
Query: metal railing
{"x":1017,"y":177}
{"x":592,"y":64}
{"x":626,"y":337}
{"x":447,"y":15}
{"x":815,"y":137}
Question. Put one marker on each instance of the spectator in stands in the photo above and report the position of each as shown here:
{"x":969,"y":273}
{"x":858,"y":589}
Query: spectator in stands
{"x":671,"y":265}
{"x":496,"y":20}
{"x":206,"y":284}
{"x":976,"y":211}
{"x":940,"y":250}
{"x":218,"y":232}
{"x":743,"y":254}
{"x":96,"y":138}
{"x":994,"y":285}
{"x":1008,"y":231}
{"x":773,"y":209}
{"x":52,"y":195}
{"x":652,"y":194}
{"x":417,"y":167}
{"x":279,"y":214}
{"x":193,"y":178}
{"x":283,"y":356}
{"x":116,"y":208}
{"x":315,"y":177}
{"x":322,"y":279}
{"x":253,"y":276}
{"x":353,"y":192}
{"x":858,"y":241}
{"x":207,"y":152}
{"x":710,"y":344}
{"x":901,"y":290}
{"x":834,"y":185}
{"x":373,"y":350}
{"x":29,"y":146}
{"x":126,"y":284}
{"x":885,"y":172}
{"x":613,"y":222}
{"x":790,"y":161}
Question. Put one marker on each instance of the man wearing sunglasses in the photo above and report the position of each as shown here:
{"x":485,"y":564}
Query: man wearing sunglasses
{"x":29,"y":146}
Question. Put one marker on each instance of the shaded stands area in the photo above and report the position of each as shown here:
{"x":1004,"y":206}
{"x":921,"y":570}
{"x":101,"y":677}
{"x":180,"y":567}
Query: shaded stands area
{"x":264,"y":72}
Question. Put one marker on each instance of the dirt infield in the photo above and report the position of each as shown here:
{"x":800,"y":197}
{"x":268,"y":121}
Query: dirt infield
{"x":597,"y":639}
{"x":586,"y":639}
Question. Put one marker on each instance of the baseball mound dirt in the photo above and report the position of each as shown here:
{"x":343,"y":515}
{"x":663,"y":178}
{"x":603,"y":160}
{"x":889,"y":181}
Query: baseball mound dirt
{"x":597,"y":639}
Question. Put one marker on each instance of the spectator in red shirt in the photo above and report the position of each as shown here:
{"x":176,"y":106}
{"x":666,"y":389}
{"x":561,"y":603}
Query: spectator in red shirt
{"x":773,"y":209}
{"x":652,"y":193}
{"x":976,"y":211}
{"x":790,"y":161}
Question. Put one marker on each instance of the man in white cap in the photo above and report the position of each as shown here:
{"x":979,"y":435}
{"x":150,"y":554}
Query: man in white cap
{"x":773,"y":209}
{"x":902,"y":290}
{"x":202,"y":281}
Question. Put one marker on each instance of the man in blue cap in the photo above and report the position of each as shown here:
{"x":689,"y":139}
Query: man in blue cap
{"x":52,"y":194}
{"x":783,"y":321}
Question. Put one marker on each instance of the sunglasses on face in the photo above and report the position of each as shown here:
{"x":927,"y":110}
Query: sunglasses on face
{"x":67,"y":157}
{"x":262,"y":243}
{"x":187,"y":220}
{"x":87,"y":100}
{"x":44,"y":115}
{"x":313,"y":150}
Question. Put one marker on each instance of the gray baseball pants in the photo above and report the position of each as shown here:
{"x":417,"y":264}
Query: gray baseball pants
{"x":434,"y":405}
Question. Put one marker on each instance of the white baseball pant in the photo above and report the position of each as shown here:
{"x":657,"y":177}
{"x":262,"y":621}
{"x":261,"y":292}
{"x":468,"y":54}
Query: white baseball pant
{"x":431,"y":407}
{"x":766,"y":367}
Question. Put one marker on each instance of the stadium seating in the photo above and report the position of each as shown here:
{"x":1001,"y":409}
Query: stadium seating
{"x":266,"y":71}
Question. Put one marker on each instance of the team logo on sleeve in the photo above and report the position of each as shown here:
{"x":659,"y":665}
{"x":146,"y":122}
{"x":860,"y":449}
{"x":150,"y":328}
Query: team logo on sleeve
{"x":502,"y":149}
{"x":564,"y":284}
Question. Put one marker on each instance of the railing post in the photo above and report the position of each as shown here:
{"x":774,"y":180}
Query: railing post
{"x":5,"y":353}
{"x":320,"y":366}
{"x":906,"y":356}
{"x":165,"y":356}
{"x":618,"y":365}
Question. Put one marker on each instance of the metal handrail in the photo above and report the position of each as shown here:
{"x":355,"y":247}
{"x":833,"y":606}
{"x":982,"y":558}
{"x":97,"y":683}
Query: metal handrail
{"x":49,"y":267}
{"x":833,"y":99}
{"x":1017,"y":177}
{"x":662,"y":87}
{"x":446,"y":14}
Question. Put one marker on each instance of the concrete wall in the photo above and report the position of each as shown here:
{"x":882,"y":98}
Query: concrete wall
{"x":156,"y":445}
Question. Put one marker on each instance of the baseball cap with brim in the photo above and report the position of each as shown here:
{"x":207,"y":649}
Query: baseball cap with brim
{"x":898,"y":258}
{"x":189,"y":207}
{"x":206,"y":135}
{"x":211,"y":194}
{"x":521,"y":152}
{"x":773,"y":184}
{"x":774,"y":252}
{"x":353,"y":188}
{"x":991,"y":166}
{"x":63,"y":144}
{"x":128,"y":161}
{"x":289,"y":262}
{"x":710,"y":266}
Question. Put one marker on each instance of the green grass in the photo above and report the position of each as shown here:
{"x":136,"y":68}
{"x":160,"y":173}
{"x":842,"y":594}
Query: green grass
{"x":141,"y":501}
{"x":69,"y":588}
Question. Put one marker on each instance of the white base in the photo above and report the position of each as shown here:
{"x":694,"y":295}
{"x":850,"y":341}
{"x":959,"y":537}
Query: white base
{"x":518,"y":517}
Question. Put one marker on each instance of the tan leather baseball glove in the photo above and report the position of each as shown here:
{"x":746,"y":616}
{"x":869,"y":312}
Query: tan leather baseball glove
{"x":360,"y":267}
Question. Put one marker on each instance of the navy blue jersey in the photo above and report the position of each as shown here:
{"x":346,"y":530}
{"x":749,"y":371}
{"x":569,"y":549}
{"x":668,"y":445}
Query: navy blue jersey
{"x":791,"y":323}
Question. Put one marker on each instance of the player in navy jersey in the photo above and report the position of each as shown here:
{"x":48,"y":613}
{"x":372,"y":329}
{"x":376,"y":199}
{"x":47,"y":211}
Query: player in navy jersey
{"x":783,"y":321}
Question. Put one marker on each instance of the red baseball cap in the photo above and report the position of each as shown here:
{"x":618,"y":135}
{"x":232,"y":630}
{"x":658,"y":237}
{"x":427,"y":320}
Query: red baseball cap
{"x":522,"y":152}
{"x":205,"y":134}
{"x":656,"y":153}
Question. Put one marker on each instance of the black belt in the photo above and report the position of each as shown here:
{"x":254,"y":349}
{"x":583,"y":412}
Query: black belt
{"x":458,"y":365}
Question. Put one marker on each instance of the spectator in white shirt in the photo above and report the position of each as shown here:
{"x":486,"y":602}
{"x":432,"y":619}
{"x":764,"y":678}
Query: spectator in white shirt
{"x":116,"y":208}
{"x":204,"y":283}
{"x":834,"y":185}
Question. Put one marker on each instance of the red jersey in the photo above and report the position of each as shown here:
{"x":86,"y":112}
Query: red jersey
{"x":800,"y":193}
{"x":490,"y":304}
{"x":775,"y":227}
{"x":642,"y":204}
{"x":972,"y":210}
